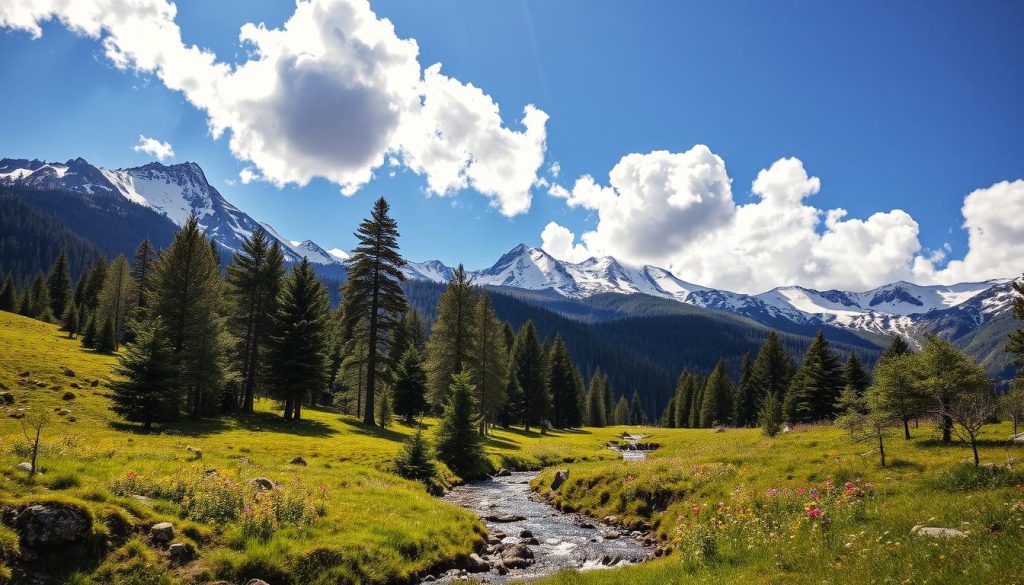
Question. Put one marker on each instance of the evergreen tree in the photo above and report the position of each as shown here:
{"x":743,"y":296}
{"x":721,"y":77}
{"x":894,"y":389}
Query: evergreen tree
{"x":385,"y":410}
{"x":596,"y":415}
{"x":487,"y":360}
{"x":717,"y":402}
{"x":771,"y":371}
{"x":745,"y":403}
{"x":896,"y":391}
{"x":39,"y":303}
{"x":297,"y":350}
{"x":186,"y":296}
{"x":458,"y":444}
{"x":451,"y":338}
{"x":945,"y":374}
{"x":513,"y":409}
{"x":89,"y":332}
{"x":70,"y":319}
{"x":25,"y":304}
{"x":697,"y":403}
{"x":79,"y":296}
{"x":116,"y":298}
{"x":58,"y":284}
{"x":254,"y":279}
{"x":622,"y":412}
{"x":410,"y":385}
{"x":898,"y":346}
{"x":636,"y":413}
{"x":142,"y":272}
{"x":562,"y":387}
{"x":683,"y":399}
{"x":146,"y":389}
{"x":8,"y":295}
{"x":93,"y":284}
{"x":414,"y":461}
{"x":106,"y":341}
{"x":1015,"y":346}
{"x":609,"y":398}
{"x":769,"y":416}
{"x":854,"y":374}
{"x":668,"y":417}
{"x":814,"y":389}
{"x":372,"y":294}
{"x":528,"y":365}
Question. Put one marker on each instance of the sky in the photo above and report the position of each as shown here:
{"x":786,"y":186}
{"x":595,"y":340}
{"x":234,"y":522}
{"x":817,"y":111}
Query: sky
{"x":743,"y":145}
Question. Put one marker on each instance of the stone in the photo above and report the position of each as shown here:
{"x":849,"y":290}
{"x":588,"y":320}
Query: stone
{"x":63,"y":412}
{"x":517,"y":556}
{"x":937,"y":532}
{"x":67,"y":371}
{"x":429,"y":579}
{"x":181,"y":553}
{"x":531,"y":541}
{"x":501,"y":568}
{"x":53,"y":524}
{"x":525,"y":534}
{"x":1018,"y":438}
{"x":75,"y":385}
{"x":196,"y":452}
{"x":503,"y":473}
{"x":162,"y":532}
{"x":7,"y":397}
{"x":243,"y":460}
{"x":298,"y":461}
{"x":611,"y":520}
{"x":504,"y":518}
{"x":94,"y":383}
{"x":560,"y":476}
{"x":69,"y":395}
{"x":25,"y":374}
{"x":475,"y":564}
{"x":612,"y":534}
{"x":257,"y":582}
{"x":263,"y":483}
{"x":24,"y":466}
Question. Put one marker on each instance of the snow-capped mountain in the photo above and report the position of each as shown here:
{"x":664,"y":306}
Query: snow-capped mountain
{"x":175,"y":191}
{"x":896,"y":308}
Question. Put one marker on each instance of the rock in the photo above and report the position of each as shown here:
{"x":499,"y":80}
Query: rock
{"x":611,"y":520}
{"x":1018,"y":438}
{"x":63,"y":412}
{"x":612,"y":534}
{"x":475,"y":564}
{"x":75,"y":385}
{"x":25,"y":374}
{"x":501,"y":568}
{"x":586,"y":524}
{"x":7,"y":397}
{"x":67,"y":371}
{"x":53,"y":524}
{"x":499,"y":535}
{"x":243,"y":460}
{"x":720,"y":429}
{"x":162,"y":532}
{"x":181,"y":553}
{"x":69,"y":395}
{"x":94,"y":383}
{"x":560,"y":476}
{"x":517,"y":556}
{"x":40,"y":384}
{"x":263,"y":483}
{"x":492,"y":541}
{"x":298,"y":461}
{"x":257,"y":582}
{"x":504,"y":518}
{"x":531,"y":541}
{"x":429,"y":579}
{"x":503,"y":473}
{"x":175,"y":432}
{"x":786,"y":429}
{"x":525,"y":534}
{"x":24,"y":466}
{"x":196,"y":452}
{"x":937,"y":532}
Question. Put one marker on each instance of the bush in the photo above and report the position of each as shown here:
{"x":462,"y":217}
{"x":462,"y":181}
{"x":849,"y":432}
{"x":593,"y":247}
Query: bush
{"x":966,"y":477}
{"x":64,"y":481}
{"x":414,"y":461}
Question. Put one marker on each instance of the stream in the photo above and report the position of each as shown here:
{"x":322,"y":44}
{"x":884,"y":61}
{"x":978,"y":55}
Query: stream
{"x":563,"y":541}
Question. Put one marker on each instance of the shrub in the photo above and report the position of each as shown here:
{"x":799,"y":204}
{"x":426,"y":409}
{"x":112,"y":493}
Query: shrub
{"x":64,"y":481}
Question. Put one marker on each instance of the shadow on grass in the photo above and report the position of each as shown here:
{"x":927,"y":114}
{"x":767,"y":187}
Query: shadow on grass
{"x":371,"y":430}
{"x":498,"y":443}
{"x":259,"y":421}
{"x":962,"y":444}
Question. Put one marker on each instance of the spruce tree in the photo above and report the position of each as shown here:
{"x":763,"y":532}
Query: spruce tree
{"x":117,"y":297}
{"x":668,"y":416}
{"x":458,"y":444}
{"x":1015,"y":345}
{"x":854,"y":374}
{"x":410,"y":389}
{"x":512,"y":412}
{"x":487,"y":360}
{"x":596,"y":415}
{"x":622,"y":412}
{"x":385,"y":410}
{"x":771,"y":371}
{"x":528,"y":365}
{"x":41,"y":307}
{"x":142,"y":272}
{"x":769,"y":416}
{"x":562,"y":386}
{"x":451,"y":338}
{"x":59,"y":284}
{"x":297,"y":350}
{"x":896,"y":390}
{"x":8,"y":295}
{"x":815,"y":388}
{"x":70,"y":319}
{"x":25,"y":303}
{"x":186,"y":296}
{"x":106,"y":340}
{"x":898,"y":346}
{"x":253,"y":282}
{"x":683,"y":399}
{"x":744,"y":404}
{"x":89,"y":332}
{"x":636,"y":413}
{"x":697,"y":403}
{"x":372,"y":294}
{"x":146,"y":390}
{"x":414,"y":461}
{"x":717,"y":403}
{"x":93,"y":283}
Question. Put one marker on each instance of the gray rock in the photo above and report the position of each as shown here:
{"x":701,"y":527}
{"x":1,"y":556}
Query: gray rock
{"x":162,"y":532}
{"x":475,"y":564}
{"x":937,"y":532}
{"x":53,"y":524}
{"x":298,"y":461}
{"x":7,"y":397}
{"x":257,"y":582}
{"x":263,"y":483}
{"x":517,"y":556}
{"x":1018,"y":438}
{"x":560,"y":476}
{"x":530,"y":541}
{"x":504,"y":518}
{"x":525,"y":534}
{"x":503,"y":473}
{"x":612,"y":534}
{"x":24,"y":466}
{"x":181,"y":553}
{"x":67,"y":371}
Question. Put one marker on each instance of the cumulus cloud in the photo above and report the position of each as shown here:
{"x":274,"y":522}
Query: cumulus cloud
{"x":676,"y":210}
{"x":332,"y":93}
{"x":154,"y":147}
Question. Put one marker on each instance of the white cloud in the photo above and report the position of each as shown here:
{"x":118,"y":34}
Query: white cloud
{"x":332,"y":93}
{"x":154,"y":147}
{"x":676,"y":210}
{"x":248,"y":175}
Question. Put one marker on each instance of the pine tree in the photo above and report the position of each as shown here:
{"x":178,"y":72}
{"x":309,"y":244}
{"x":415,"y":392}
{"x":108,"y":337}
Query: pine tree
{"x":8,"y":295}
{"x":771,"y":371}
{"x":254,"y":279}
{"x":898,"y":346}
{"x":297,"y":350}
{"x":1015,"y":346}
{"x":39,"y":300}
{"x":896,"y":391}
{"x":372,"y":294}
{"x":410,"y":385}
{"x":117,"y":296}
{"x":596,"y":415}
{"x":636,"y":413}
{"x":815,"y":388}
{"x":717,"y":404}
{"x":769,"y":416}
{"x":854,"y":374}
{"x":89,"y":332}
{"x":697,"y":403}
{"x":946,"y":374}
{"x":451,"y":338}
{"x":562,"y":387}
{"x":142,"y":272}
{"x":513,"y":409}
{"x":25,"y":304}
{"x":414,"y":461}
{"x":609,"y":398}
{"x":58,"y":284}
{"x":684,"y":399}
{"x":146,"y":389}
{"x":528,"y":365}
{"x":70,"y":319}
{"x":385,"y":410}
{"x":487,"y":360}
{"x":106,"y":341}
{"x":668,"y":417}
{"x":458,"y":444}
{"x":745,"y":403}
{"x":622,"y":412}
{"x":93,"y":283}
{"x":186,"y":295}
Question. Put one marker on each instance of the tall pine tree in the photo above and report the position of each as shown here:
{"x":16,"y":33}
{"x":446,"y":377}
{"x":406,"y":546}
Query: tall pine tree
{"x":717,"y":402}
{"x":410,"y":391}
{"x":815,"y":388}
{"x":117,"y":297}
{"x":562,"y":386}
{"x":771,"y":371}
{"x":146,"y":390}
{"x":745,"y":403}
{"x":528,"y":366}
{"x":458,"y":444}
{"x":59,"y":284}
{"x":451,"y":340}
{"x":8,"y":295}
{"x":488,"y":360}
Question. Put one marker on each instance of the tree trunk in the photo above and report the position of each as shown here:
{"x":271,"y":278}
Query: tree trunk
{"x":371,"y":351}
{"x":881,"y":449}
{"x":906,"y":428}
{"x":288,"y":408}
{"x":947,"y":429}
{"x":297,"y":413}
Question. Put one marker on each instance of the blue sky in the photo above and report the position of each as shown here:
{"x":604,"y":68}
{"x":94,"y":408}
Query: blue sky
{"x":908,"y":105}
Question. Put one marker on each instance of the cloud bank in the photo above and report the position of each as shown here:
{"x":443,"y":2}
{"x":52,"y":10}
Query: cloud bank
{"x":154,"y":147}
{"x":330,"y":94}
{"x":676,"y":210}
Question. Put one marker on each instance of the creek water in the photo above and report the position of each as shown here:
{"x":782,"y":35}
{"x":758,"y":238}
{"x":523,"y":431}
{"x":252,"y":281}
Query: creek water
{"x":630,"y":450}
{"x":565,"y":540}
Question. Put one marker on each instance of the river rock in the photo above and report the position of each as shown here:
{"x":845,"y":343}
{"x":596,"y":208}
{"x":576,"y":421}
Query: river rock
{"x":937,"y":532}
{"x":504,"y":518}
{"x":180,"y":553}
{"x":53,"y":524}
{"x":503,"y":473}
{"x":501,"y":568}
{"x":612,"y":534}
{"x":475,"y":564}
{"x":162,"y":532}
{"x":525,"y":534}
{"x":24,"y":466}
{"x":517,"y":556}
{"x":560,"y":476}
{"x":257,"y":582}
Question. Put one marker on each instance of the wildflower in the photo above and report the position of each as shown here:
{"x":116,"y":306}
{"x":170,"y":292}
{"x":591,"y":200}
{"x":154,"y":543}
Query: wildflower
{"x":696,"y":509}
{"x":814,"y":512}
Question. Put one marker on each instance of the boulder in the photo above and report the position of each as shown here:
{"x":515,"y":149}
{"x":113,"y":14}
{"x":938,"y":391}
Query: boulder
{"x":69,"y":395}
{"x":525,"y":534}
{"x":1018,"y":438}
{"x":257,"y":582}
{"x":94,"y":383}
{"x":298,"y":461}
{"x":560,"y":476}
{"x":612,"y":534}
{"x":7,"y":397}
{"x":162,"y":532}
{"x":475,"y":564}
{"x":501,"y":568}
{"x":503,"y":473}
{"x":25,"y":374}
{"x":720,"y":429}
{"x":53,"y":524}
{"x":531,"y":541}
{"x":504,"y":518}
{"x":517,"y":556}
{"x":24,"y":466}
{"x":181,"y":553}
{"x":937,"y":532}
{"x":263,"y":483}
{"x":67,"y":371}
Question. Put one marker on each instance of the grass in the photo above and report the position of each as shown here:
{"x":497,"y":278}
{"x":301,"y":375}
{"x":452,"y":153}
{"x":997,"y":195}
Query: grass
{"x":375,"y":527}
